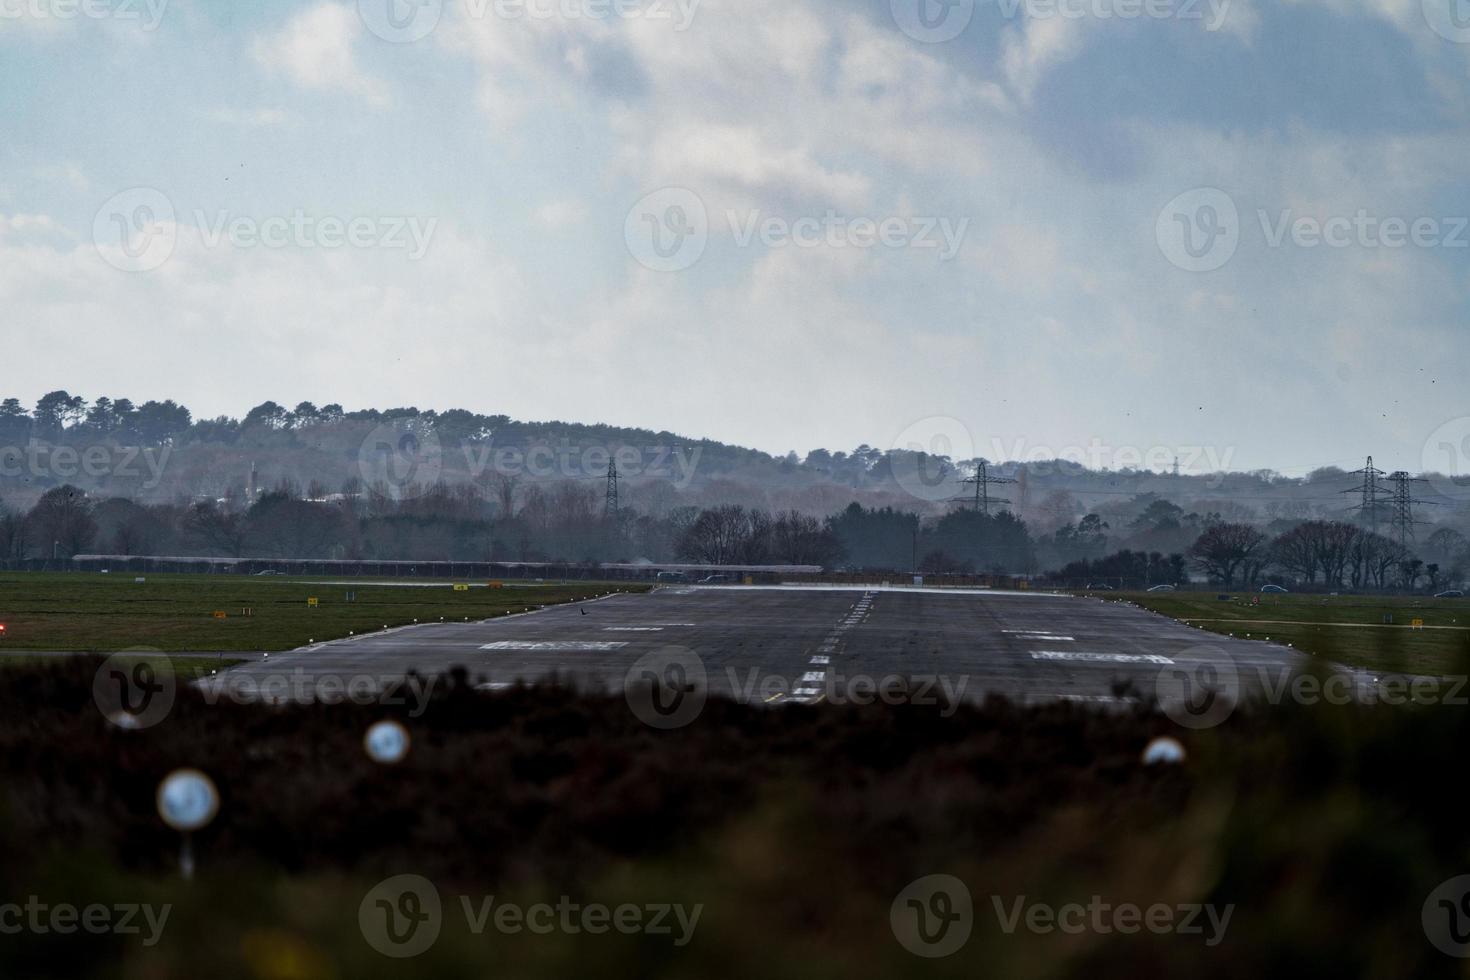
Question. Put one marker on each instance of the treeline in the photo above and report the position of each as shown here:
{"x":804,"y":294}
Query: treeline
{"x":322,"y":446}
{"x":569,"y":523}
{"x":1311,"y":556}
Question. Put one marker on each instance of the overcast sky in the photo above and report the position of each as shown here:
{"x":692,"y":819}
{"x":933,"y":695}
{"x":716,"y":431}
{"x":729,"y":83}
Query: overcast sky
{"x":780,"y":223}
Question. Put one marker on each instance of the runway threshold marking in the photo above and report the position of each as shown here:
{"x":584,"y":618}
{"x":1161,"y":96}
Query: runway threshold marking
{"x":1102,"y":658}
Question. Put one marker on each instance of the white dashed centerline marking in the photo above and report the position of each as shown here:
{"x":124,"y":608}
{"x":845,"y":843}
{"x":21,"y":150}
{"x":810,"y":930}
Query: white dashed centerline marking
{"x":828,"y":648}
{"x":557,"y":646}
{"x":1102,"y":658}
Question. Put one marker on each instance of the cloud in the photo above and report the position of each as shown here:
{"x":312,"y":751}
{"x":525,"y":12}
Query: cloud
{"x":66,"y":173}
{"x":559,"y":214}
{"x":317,"y":50}
{"x":249,"y":118}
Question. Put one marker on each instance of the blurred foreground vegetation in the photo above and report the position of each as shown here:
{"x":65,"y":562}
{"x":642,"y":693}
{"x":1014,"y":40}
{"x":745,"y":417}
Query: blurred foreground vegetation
{"x":795,"y":828}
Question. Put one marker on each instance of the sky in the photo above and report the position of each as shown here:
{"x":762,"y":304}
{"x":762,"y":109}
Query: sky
{"x":1228,"y":230}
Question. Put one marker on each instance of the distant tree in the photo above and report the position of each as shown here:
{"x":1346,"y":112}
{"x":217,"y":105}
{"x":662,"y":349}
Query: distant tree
{"x":725,"y":535}
{"x":1223,"y":549}
{"x":15,"y":423}
{"x":221,"y":532}
{"x":156,"y":423}
{"x":56,"y":410}
{"x":266,"y":415}
{"x":304,"y":414}
{"x":799,"y":539}
{"x":62,"y":522}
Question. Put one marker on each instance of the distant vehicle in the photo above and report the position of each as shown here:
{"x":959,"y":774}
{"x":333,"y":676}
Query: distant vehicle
{"x":1100,"y":588}
{"x":269,"y":571}
{"x":716,"y":579}
{"x":672,"y":577}
{"x":1163,"y":588}
{"x":1450,"y":594}
{"x":1273,"y":588}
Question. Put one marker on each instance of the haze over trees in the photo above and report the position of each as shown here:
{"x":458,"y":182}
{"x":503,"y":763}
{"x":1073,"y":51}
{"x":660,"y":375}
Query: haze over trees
{"x":114,"y":476}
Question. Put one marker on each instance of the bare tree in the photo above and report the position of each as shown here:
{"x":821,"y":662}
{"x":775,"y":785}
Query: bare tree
{"x":1223,"y":549}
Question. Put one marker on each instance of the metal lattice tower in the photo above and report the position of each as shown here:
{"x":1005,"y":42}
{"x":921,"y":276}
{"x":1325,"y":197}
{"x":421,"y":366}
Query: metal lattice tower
{"x":1403,"y":508}
{"x":611,"y":507}
{"x":1370,"y":492}
{"x":983,"y":481}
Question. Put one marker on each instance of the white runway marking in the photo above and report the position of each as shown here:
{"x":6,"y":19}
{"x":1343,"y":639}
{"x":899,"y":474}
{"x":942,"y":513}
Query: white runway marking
{"x":632,"y":629}
{"x":556,"y":646}
{"x":1102,"y":658}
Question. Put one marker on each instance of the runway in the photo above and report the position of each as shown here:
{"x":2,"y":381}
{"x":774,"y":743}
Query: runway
{"x":782,"y":644}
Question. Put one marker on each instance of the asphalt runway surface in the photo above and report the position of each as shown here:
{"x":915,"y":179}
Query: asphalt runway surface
{"x":802,"y":644}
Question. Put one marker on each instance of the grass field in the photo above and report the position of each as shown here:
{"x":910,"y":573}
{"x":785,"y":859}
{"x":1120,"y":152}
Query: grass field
{"x":1346,"y":629}
{"x":176,"y":613}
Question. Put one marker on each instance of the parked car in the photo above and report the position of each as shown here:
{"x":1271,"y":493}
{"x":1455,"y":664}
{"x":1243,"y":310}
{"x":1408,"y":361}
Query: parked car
{"x":672,"y":577}
{"x":1273,"y":588}
{"x":1100,"y":588}
{"x":1450,"y":594}
{"x":269,"y":571}
{"x":716,"y":579}
{"x":1163,"y":588}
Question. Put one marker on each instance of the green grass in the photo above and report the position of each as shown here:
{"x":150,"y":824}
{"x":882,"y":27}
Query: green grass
{"x":175,"y":613}
{"x":1345,"y":629}
{"x":185,"y":668}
